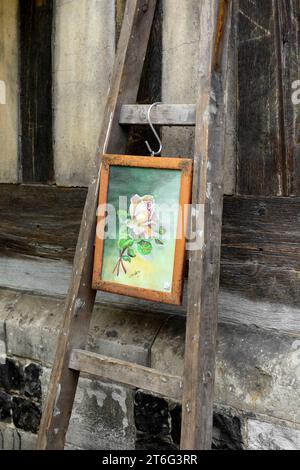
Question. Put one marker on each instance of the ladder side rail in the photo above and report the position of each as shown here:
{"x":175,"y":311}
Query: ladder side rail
{"x":204,"y":269}
{"x":125,"y":81}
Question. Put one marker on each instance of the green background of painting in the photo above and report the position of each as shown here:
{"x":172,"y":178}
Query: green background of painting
{"x":155,"y":270}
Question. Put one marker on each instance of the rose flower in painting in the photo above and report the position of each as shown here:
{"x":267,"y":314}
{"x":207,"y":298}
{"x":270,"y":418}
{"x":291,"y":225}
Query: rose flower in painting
{"x":143,"y":222}
{"x":138,"y":230}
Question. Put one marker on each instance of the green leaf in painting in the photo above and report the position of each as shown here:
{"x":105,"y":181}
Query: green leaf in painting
{"x":127,"y":259}
{"x":144,"y":247}
{"x":159,"y":242}
{"x":162,"y":231}
{"x":125,"y":243}
{"x":131,"y":253}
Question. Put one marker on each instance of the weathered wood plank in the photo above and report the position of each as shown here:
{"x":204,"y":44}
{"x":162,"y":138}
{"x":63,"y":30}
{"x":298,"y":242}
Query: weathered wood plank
{"x":202,"y":313}
{"x":32,"y":224}
{"x":122,"y":372}
{"x":260,"y":169}
{"x":262,"y":230}
{"x":162,"y":115}
{"x":113,"y":139}
{"x":40,"y":221}
{"x":288,"y":40}
{"x":37,"y":161}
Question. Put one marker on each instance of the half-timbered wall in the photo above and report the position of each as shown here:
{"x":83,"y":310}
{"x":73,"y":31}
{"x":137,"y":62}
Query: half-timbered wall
{"x":260,"y":268}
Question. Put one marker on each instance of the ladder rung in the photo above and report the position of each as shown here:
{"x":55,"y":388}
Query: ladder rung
{"x":126,"y":373}
{"x":162,"y":115}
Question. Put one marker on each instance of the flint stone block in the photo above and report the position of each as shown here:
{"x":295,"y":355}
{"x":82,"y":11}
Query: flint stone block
{"x":228,"y":427}
{"x":151,"y":414}
{"x":158,"y":424}
{"x":26,"y":414}
{"x":5,"y":407}
{"x":32,"y":382}
{"x":11,"y":376}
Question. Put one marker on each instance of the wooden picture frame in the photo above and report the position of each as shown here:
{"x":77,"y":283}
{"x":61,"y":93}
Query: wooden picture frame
{"x":145,"y":244}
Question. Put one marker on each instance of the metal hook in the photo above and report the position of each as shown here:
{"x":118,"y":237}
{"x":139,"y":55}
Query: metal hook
{"x":153,"y":153}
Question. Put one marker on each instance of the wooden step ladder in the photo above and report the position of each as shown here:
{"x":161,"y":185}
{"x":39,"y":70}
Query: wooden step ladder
{"x":195,"y":389}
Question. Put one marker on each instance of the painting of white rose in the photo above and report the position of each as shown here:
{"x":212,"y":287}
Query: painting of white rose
{"x":139,"y":250}
{"x":139,"y":230}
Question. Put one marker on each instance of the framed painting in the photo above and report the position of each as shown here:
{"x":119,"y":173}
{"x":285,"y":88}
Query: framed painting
{"x":141,"y":227}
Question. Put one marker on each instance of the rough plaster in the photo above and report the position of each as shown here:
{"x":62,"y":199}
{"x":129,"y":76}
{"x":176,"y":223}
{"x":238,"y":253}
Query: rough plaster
{"x":84,"y":51}
{"x":180,"y":68}
{"x":9,"y":75}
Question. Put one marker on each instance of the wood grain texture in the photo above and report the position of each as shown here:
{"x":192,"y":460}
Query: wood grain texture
{"x":288,"y":40}
{"x":37,"y":161}
{"x":162,"y":115}
{"x":260,"y":167}
{"x":41,"y":221}
{"x":198,"y":395}
{"x":268,"y":120}
{"x":125,"y":373}
{"x":113,"y":139}
{"x":260,"y":257}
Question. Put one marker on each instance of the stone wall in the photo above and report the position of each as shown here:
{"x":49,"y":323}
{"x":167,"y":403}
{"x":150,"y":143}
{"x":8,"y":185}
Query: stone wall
{"x":257,"y":391}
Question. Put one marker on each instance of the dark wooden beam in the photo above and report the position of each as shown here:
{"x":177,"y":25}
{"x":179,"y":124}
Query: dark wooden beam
{"x":36,"y":158}
{"x":259,"y":248}
{"x":288,"y":39}
{"x":40,"y":221}
{"x":260,"y":169}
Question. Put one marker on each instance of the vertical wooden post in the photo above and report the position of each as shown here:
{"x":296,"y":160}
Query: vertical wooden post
{"x":125,"y":81}
{"x":197,"y":407}
{"x":36,"y":156}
